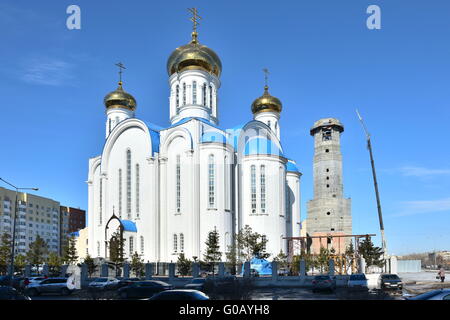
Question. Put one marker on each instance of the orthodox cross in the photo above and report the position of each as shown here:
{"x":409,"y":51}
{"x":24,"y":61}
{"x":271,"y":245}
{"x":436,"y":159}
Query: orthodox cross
{"x":195,"y":18}
{"x":266,"y":75}
{"x":121,"y":67}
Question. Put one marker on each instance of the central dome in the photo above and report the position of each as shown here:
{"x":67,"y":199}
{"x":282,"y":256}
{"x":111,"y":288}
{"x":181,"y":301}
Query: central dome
{"x":194,"y":56}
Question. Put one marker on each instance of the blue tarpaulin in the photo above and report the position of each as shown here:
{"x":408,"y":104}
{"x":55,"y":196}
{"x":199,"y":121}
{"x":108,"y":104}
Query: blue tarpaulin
{"x":262,"y":266}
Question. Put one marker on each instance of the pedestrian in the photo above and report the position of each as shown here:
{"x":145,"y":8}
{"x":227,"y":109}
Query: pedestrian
{"x":441,"y":274}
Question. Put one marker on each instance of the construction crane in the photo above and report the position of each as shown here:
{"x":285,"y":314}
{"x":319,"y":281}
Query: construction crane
{"x":380,"y":216}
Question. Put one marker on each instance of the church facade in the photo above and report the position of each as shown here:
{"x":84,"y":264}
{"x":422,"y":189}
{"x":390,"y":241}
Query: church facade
{"x":167,"y":188}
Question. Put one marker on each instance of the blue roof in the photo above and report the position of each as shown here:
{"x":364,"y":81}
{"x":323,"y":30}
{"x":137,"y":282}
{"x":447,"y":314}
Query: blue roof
{"x":75,"y":234}
{"x":291,"y":167}
{"x":262,"y":266}
{"x":184,"y":120}
{"x":213,"y":136}
{"x":261,"y":146}
{"x":129,"y":225}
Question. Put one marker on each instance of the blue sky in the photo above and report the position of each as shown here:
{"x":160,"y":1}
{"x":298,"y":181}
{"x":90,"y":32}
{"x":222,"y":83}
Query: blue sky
{"x":323,"y":60}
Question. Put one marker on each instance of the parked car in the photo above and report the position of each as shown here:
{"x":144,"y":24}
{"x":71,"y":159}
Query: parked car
{"x":126,"y":282}
{"x":50,"y":285}
{"x":441,"y":294}
{"x":16,"y":281}
{"x":254,"y":273}
{"x":357,"y":282}
{"x":143,"y":289}
{"x":26,"y":281}
{"x":390,"y":282}
{"x":103,"y":283}
{"x":180,"y":294}
{"x":323,"y":283}
{"x":196,"y":284}
{"x":9,"y":293}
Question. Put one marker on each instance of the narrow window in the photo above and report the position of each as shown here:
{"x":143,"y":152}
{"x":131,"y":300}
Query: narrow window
{"x":211,"y":182}
{"x":181,"y":242}
{"x":101,"y":200}
{"x":177,"y":98}
{"x":175,"y":244}
{"x":204,"y":94}
{"x":226,"y":183}
{"x":268,"y":123}
{"x":131,"y":245}
{"x":120,"y":193}
{"x":263,"y":189}
{"x":109,"y":124}
{"x":98,"y":248}
{"x":281,"y":190}
{"x":184,"y":94}
{"x":264,"y":240}
{"x":142,"y":245}
{"x":253,"y":187}
{"x":137,"y":191}
{"x":129,"y":184}
{"x":178,"y":183}
{"x":194,"y":92}
{"x":210,"y":97}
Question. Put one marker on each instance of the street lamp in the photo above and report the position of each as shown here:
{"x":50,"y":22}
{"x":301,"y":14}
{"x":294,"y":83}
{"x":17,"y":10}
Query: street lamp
{"x":11,"y":266}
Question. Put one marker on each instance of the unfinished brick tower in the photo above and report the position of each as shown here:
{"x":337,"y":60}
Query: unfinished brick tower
{"x":329,"y":213}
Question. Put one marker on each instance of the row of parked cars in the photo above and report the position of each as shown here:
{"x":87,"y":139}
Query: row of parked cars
{"x":135,"y":288}
{"x":358,"y":282}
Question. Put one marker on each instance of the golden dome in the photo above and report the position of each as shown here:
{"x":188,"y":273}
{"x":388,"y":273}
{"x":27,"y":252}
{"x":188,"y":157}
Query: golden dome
{"x":194,"y":56}
{"x":120,"y":99}
{"x":266,"y":103}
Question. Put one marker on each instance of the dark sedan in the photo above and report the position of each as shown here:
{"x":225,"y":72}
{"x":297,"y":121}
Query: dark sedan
{"x":390,"y":282}
{"x":180,"y":295}
{"x":9,"y":293}
{"x":143,"y":289}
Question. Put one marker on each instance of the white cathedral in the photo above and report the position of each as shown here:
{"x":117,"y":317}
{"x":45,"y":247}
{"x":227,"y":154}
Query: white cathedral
{"x":167,"y":188}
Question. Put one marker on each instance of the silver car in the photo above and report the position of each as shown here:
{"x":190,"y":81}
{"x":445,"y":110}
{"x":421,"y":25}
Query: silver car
{"x":50,"y":285}
{"x":442,"y":294}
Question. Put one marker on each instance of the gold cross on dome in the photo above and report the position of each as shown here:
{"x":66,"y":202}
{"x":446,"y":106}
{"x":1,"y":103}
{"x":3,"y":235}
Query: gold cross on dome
{"x":266,"y":75}
{"x":121,"y":67}
{"x":195,"y":18}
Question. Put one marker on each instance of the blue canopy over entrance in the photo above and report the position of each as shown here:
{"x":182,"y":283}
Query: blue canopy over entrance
{"x":262,"y":266}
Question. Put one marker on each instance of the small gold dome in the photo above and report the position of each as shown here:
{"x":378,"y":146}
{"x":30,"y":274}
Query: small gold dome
{"x":266,"y":103}
{"x":120,"y":99}
{"x":194,"y":56}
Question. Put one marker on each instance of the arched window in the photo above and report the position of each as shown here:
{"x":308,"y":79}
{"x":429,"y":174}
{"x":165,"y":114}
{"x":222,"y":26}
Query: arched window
{"x":131,"y":245}
{"x":204,"y":94}
{"x":194,"y":92}
{"x":263,"y":188}
{"x":120,"y":193}
{"x":181,"y":242}
{"x":109,"y":125}
{"x":210,"y":97}
{"x":268,"y":123}
{"x":175,"y":243}
{"x":253,"y":187}
{"x":137,"y":191}
{"x":184,"y":94}
{"x":142,"y":245}
{"x":177,"y":98}
{"x":100,"y":201}
{"x":211,"y":181}
{"x":178,"y":183}
{"x":129,"y":184}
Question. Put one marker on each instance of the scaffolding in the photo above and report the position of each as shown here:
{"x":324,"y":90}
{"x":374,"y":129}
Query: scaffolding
{"x":301,"y":245}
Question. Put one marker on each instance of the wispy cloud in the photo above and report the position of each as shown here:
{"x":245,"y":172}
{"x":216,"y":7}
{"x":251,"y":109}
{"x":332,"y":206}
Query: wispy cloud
{"x":411,"y":171}
{"x":50,"y":72}
{"x":409,"y":208}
